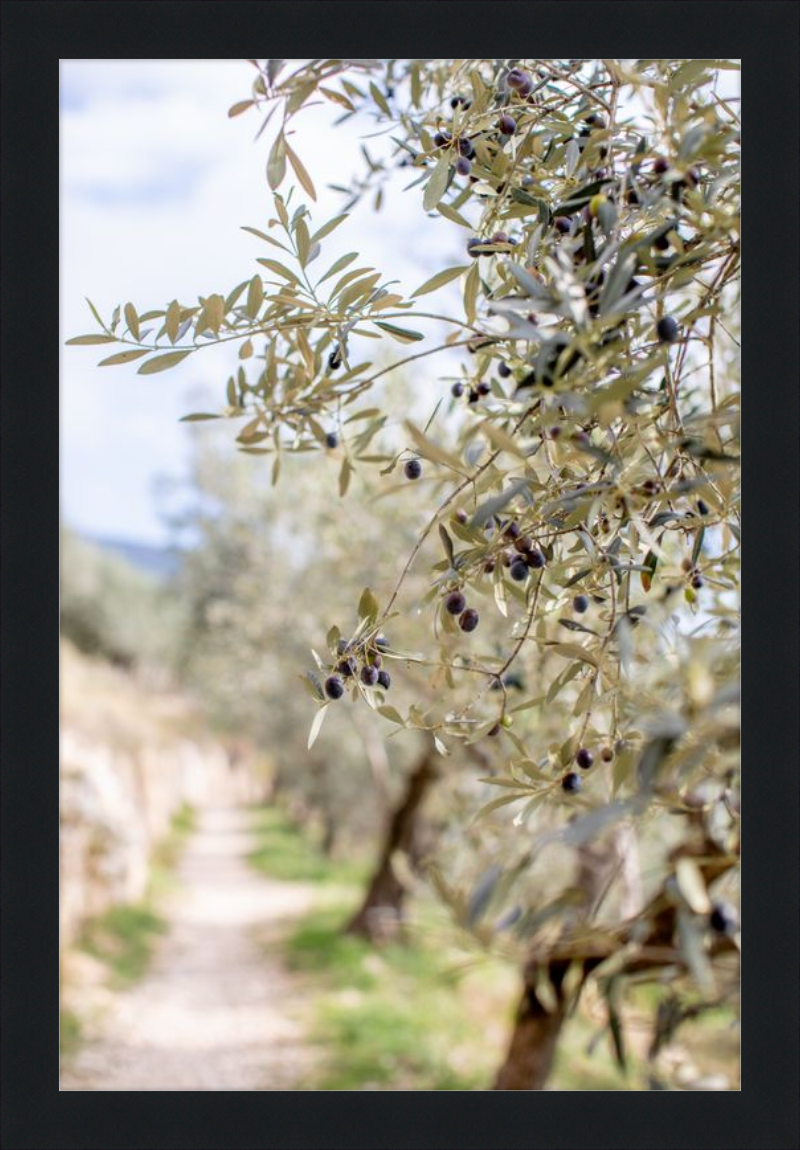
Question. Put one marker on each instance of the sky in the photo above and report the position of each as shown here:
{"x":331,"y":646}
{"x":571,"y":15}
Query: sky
{"x":156,"y":183}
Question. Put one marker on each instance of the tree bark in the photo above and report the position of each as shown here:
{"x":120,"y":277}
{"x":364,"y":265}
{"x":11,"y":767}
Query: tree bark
{"x":381,"y":912}
{"x":538,"y":1023}
{"x":536,"y":1030}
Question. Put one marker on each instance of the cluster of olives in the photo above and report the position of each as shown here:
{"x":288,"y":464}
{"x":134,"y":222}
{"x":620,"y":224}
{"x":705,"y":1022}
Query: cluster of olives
{"x":456,"y":604}
{"x":480,"y":390}
{"x":572,"y":782}
{"x":368,"y":668}
{"x":523,"y":554}
{"x":519,"y":83}
{"x":693,"y":574}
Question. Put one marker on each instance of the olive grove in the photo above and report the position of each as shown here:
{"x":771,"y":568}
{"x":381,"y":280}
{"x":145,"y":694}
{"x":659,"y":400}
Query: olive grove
{"x":572,"y":595}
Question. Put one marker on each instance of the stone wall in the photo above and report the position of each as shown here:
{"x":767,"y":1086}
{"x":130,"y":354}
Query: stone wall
{"x":122,"y":782}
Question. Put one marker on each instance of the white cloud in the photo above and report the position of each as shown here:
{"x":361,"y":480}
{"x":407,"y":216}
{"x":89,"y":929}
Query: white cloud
{"x":156,"y":182}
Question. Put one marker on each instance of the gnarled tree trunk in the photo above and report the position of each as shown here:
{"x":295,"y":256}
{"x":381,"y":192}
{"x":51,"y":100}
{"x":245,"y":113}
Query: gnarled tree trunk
{"x":536,"y":1030}
{"x":539,"y":1020}
{"x":381,"y":911}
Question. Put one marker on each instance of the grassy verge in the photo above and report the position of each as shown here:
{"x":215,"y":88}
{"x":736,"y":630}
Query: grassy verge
{"x":405,"y":1016}
{"x":69,"y":1032}
{"x":124,"y":937}
{"x":284,"y":852}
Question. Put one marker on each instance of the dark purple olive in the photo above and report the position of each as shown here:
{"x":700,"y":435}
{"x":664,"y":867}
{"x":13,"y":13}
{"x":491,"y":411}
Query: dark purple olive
{"x":469,"y":619}
{"x":413,"y":469}
{"x":334,"y":687}
{"x":723,"y":918}
{"x":517,"y":78}
{"x":571,"y":783}
{"x":455,"y":603}
{"x":667,"y":329}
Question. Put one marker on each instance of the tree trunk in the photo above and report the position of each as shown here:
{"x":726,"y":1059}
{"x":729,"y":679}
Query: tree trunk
{"x":538,"y":1023}
{"x":536,"y":1030}
{"x":381,"y":911}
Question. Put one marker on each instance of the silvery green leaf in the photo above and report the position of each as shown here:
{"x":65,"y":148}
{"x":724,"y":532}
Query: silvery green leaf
{"x":607,"y":215}
{"x":473,"y":451}
{"x":588,"y":827}
{"x":437,"y":184}
{"x":316,"y":725}
{"x":486,"y":510}
{"x":527,"y":281}
{"x":482,"y":893}
{"x":618,"y":279}
{"x":691,"y":142}
{"x":692,"y":940}
{"x":533,"y":243}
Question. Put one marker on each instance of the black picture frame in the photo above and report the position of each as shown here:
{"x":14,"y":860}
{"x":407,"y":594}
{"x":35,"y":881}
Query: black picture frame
{"x":765,"y":1114}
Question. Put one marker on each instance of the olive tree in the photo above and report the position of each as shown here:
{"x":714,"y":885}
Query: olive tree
{"x":256,"y":581}
{"x":580,"y":477}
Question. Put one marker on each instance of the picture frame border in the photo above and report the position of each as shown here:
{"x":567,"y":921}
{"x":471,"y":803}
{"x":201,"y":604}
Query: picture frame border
{"x":765,"y":1114}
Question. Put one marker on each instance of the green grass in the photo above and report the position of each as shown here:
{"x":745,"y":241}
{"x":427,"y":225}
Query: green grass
{"x":384,"y":1018}
{"x":124,"y":937}
{"x":69,"y":1032}
{"x":284,"y":852}
{"x":392,"y":1018}
{"x":167,"y":852}
{"x":411,"y":1015}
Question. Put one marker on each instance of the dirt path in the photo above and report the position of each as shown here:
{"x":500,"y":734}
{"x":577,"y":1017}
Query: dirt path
{"x":216,"y":1010}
